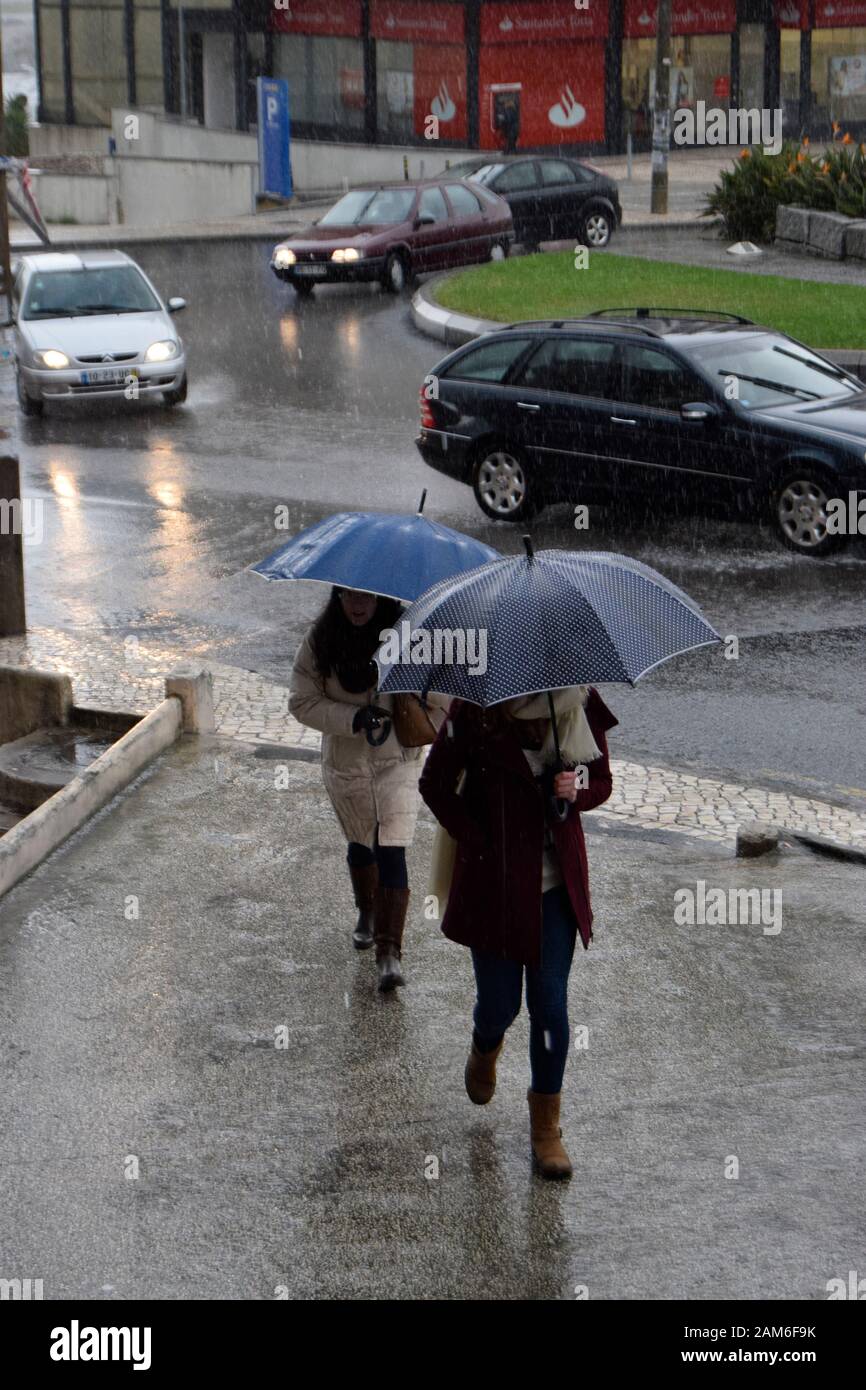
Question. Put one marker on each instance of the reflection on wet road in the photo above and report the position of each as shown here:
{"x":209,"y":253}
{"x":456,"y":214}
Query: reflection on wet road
{"x":151,"y":515}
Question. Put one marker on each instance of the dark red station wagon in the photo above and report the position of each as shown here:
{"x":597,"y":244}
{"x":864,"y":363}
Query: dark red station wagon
{"x":394,"y":231}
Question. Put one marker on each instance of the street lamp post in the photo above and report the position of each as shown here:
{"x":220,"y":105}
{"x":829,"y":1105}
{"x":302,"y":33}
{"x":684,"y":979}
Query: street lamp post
{"x":661,"y":110}
{"x":5,"y":258}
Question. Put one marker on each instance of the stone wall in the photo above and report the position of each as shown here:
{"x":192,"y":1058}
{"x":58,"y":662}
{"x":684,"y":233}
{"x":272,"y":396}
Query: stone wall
{"x":826,"y":234}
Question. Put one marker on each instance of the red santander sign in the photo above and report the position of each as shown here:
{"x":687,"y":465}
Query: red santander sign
{"x":412,"y":21}
{"x":332,"y":18}
{"x":557,"y":19}
{"x":688,"y":17}
{"x":840,"y":14}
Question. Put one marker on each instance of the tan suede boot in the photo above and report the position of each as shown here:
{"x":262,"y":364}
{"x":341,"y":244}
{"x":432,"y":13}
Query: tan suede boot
{"x":365,"y":881}
{"x":551,"y":1160}
{"x":389,"y":919}
{"x":480,"y":1074}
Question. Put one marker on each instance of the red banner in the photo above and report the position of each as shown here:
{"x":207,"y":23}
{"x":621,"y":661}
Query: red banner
{"x":557,"y":19}
{"x":791,"y":14}
{"x":412,"y":21}
{"x":840,"y":14}
{"x":561,"y":92}
{"x":333,"y":18}
{"x":439,"y":79}
{"x":689,"y":17}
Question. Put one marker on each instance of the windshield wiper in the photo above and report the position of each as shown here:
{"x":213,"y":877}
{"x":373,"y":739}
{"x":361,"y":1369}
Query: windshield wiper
{"x":834,"y":372}
{"x":108,"y":309}
{"x":773,"y":385}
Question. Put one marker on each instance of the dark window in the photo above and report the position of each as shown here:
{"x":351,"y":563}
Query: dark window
{"x":576,"y":365}
{"x":433,"y":205}
{"x":515,"y":178}
{"x":489,"y":362}
{"x":654,"y":379}
{"x":464,"y":203}
{"x":556,"y":171}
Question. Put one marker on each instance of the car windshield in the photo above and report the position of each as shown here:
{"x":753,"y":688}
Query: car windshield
{"x":770,"y":371}
{"x":363,"y":208}
{"x":463,"y":170}
{"x":486,"y":173}
{"x":115,"y":289}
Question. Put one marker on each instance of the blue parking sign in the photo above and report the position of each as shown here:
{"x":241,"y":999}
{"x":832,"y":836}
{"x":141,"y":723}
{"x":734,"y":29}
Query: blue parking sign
{"x":275,"y":164}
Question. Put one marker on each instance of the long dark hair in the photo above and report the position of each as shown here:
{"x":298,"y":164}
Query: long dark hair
{"x":346,"y":651}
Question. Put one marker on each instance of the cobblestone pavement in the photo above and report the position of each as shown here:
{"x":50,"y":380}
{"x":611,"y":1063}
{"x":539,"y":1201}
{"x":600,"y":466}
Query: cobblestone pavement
{"x":130,"y":676}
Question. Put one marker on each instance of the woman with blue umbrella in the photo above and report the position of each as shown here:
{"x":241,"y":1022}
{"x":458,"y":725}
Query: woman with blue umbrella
{"x":521,"y":757}
{"x":371,"y":747}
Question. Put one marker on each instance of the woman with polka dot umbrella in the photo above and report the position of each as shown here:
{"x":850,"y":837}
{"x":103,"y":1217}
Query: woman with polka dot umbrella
{"x":517,"y":641}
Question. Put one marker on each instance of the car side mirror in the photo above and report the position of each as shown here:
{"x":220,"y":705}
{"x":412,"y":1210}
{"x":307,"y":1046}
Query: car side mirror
{"x":175,"y":305}
{"x":699,"y":412}
{"x":425,"y":219}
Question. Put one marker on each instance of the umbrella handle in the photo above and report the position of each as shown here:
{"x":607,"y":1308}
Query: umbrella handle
{"x":558,"y":807}
{"x":376,"y":740}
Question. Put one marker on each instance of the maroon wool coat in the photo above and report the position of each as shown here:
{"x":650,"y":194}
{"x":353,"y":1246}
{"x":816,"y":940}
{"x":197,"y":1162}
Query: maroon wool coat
{"x":498,"y":822}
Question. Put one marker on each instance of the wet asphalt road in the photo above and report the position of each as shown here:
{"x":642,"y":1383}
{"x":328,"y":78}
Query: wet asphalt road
{"x":152,"y":515}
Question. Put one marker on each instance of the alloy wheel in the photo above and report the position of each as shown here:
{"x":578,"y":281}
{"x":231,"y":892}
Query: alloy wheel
{"x":597,"y":229}
{"x":501,"y":483}
{"x":802,"y":512}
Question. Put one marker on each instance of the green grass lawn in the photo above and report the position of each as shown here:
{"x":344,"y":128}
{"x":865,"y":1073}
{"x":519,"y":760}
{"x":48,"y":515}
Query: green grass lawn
{"x":548,"y":286}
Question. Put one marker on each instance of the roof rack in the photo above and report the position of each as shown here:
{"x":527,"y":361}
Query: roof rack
{"x":656,"y":312}
{"x":583,"y":322}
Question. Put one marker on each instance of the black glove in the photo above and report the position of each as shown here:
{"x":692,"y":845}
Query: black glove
{"x":374,"y":722}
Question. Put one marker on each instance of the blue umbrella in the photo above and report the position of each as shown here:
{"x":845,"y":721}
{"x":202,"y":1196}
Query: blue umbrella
{"x":531,"y":623}
{"x":398,"y":556}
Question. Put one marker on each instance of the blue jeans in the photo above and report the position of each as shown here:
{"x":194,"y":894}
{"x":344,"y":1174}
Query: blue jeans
{"x":499,"y":983}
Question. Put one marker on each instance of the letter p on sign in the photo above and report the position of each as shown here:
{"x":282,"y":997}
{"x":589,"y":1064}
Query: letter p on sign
{"x":272,"y":108}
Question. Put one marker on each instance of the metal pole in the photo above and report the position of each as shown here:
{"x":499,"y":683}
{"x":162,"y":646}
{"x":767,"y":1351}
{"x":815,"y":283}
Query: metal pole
{"x":628,"y":152}
{"x":13,"y":618}
{"x":181,"y":39}
{"x":5,"y":255}
{"x":661,"y":111}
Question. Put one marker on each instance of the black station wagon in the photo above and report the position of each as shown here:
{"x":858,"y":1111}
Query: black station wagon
{"x":675,"y":404}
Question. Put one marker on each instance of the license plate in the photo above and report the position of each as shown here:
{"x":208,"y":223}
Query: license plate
{"x":102,"y":376}
{"x":310,"y":270}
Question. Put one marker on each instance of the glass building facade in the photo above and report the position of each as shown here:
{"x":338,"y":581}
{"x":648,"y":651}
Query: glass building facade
{"x":377,"y":71}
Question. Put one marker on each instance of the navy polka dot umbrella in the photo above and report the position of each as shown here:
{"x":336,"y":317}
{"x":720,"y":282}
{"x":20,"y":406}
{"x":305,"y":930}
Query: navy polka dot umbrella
{"x":540,"y":622}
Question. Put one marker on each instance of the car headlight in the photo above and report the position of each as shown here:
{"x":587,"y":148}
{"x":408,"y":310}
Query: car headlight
{"x":161,"y":352}
{"x":348,"y":253}
{"x":283,"y":258}
{"x":52,"y":358}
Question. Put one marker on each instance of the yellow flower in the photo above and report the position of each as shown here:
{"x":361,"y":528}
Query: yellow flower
{"x":805,"y":142}
{"x":801,"y":159}
{"x":745,"y":154}
{"x":846,"y":139}
{"x":825,"y":168}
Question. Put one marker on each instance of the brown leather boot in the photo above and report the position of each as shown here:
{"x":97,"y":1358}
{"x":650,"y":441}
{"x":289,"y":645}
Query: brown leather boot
{"x":551,"y":1160}
{"x":365,"y":881}
{"x":480,"y":1074}
{"x":389,"y":919}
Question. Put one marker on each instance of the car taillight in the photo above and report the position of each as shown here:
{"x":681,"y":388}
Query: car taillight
{"x":428,"y":419}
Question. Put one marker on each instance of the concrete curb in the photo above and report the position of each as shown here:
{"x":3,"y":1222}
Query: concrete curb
{"x":39,"y":834}
{"x":453,"y":329}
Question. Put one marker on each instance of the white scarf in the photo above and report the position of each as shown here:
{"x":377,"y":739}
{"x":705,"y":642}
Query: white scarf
{"x":576,"y":741}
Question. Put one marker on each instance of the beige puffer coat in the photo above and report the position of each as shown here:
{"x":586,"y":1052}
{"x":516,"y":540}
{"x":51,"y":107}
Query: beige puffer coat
{"x":368,"y":786}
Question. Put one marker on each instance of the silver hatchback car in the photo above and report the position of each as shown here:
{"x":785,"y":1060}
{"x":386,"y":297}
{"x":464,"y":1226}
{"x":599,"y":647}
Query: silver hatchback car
{"x":90,"y":324}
